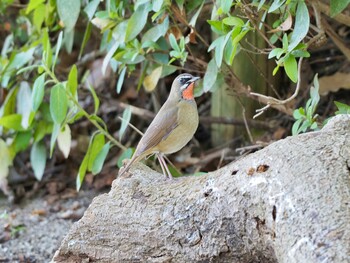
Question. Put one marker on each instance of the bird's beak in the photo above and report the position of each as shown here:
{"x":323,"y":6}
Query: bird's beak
{"x":194,"y":79}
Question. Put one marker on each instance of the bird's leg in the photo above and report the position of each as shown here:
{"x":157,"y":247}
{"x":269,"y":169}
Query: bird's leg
{"x":161,"y":164}
{"x":164,"y":166}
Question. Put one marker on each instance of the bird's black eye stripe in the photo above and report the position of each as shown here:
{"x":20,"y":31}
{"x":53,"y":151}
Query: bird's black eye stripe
{"x":183,"y":80}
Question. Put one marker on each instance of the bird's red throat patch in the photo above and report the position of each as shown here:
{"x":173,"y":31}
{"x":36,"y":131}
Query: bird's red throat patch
{"x":187,"y":94}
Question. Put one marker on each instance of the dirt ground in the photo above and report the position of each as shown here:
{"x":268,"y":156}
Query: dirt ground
{"x":33,"y":230}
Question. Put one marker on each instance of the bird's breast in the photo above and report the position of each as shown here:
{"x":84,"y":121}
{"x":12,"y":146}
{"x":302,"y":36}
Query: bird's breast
{"x":187,"y":119}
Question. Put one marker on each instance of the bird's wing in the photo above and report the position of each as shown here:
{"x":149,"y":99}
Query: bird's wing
{"x":159,"y":129}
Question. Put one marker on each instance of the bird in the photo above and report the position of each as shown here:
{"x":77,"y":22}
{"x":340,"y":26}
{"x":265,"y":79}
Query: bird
{"x":173,"y":126}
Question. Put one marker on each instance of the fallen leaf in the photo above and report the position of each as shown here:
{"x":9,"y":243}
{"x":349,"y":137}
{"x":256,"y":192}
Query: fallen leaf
{"x":64,"y":140}
{"x":334,"y":82}
{"x":39,"y":212}
{"x":192,"y":37}
{"x":279,"y":133}
{"x":100,"y":22}
{"x":285,"y":26}
{"x":150,"y":82}
{"x":176,"y":32}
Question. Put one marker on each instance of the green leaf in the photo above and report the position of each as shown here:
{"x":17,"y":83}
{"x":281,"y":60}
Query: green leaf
{"x":261,"y":3}
{"x":306,"y":124}
{"x":291,"y":68}
{"x":45,"y":111}
{"x":174,"y":172}
{"x":58,"y":47}
{"x":180,"y":3}
{"x":108,"y":57}
{"x":47,"y":48}
{"x":136,"y":22}
{"x":298,"y":113}
{"x":342,"y":108}
{"x":275,"y":5}
{"x":9,"y":105}
{"x":38,"y":159}
{"x":121,"y":80}
{"x":173,"y":43}
{"x":337,"y":6}
{"x":195,"y":16}
{"x":6,"y":161}
{"x":39,"y":16}
{"x":119,"y":32}
{"x":301,"y":27}
{"x":68,"y":40}
{"x":210,"y":75}
{"x":125,"y":121}
{"x":276,"y":52}
{"x":275,"y":70}
{"x":38,"y":92}
{"x":300,"y":53}
{"x":314,"y":94}
{"x":55,"y":131}
{"x":157,"y":5}
{"x":295,"y":128}
{"x":285,"y":41}
{"x":156,"y":32}
{"x":235,"y":44}
{"x":58,"y":103}
{"x":21,"y":141}
{"x":229,"y":51}
{"x":17,"y":61}
{"x":72,"y":83}
{"x":12,"y":121}
{"x":91,"y":8}
{"x":24,"y":103}
{"x":68,"y":11}
{"x":219,"y":83}
{"x":94,"y":96}
{"x":82,"y":172}
{"x":216,"y":26}
{"x":7,"y":45}
{"x":33,"y":4}
{"x":314,"y":126}
{"x":233,"y":21}
{"x":94,"y":148}
{"x":85,"y":39}
{"x":100,"y":159}
{"x":127,"y":154}
{"x":219,"y":45}
{"x":226,"y":6}
{"x":42,"y":128}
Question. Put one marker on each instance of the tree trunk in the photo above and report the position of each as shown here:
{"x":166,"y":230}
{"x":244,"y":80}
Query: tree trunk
{"x":289,"y":202}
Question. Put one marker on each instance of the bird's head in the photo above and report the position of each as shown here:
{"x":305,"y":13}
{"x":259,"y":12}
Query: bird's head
{"x":183,"y":86}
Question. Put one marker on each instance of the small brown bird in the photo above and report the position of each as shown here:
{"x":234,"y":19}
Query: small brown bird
{"x":173,"y":126}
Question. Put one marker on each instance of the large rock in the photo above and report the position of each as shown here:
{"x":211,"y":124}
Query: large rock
{"x":289,"y":202}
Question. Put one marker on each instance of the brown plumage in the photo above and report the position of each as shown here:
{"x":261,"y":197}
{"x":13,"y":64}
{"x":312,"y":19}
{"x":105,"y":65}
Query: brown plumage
{"x":173,"y":126}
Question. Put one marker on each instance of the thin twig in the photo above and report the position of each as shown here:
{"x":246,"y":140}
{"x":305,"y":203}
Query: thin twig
{"x":251,"y":19}
{"x":132,"y":126}
{"x":273,"y":101}
{"x":245,"y":120}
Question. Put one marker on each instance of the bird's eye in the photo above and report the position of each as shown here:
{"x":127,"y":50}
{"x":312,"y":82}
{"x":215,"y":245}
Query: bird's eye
{"x":183,"y":80}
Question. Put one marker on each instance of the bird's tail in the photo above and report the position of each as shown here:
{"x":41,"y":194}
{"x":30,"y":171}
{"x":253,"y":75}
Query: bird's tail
{"x":135,"y":158}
